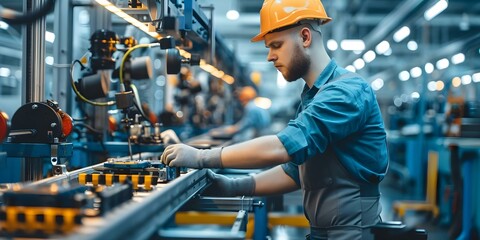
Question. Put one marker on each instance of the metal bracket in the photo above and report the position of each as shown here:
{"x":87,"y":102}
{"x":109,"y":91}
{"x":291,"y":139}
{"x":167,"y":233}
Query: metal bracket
{"x":59,"y":169}
{"x":54,"y":154}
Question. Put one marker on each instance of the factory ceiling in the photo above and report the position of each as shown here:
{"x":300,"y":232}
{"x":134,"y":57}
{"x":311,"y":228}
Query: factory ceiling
{"x":455,"y":30}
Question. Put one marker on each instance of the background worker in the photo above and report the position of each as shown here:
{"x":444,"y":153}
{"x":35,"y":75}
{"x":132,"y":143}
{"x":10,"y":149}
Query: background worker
{"x":255,"y":121}
{"x":335,"y":148}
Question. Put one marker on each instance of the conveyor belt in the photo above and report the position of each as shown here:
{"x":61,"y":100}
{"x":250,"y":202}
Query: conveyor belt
{"x":144,"y":215}
{"x":141,"y":218}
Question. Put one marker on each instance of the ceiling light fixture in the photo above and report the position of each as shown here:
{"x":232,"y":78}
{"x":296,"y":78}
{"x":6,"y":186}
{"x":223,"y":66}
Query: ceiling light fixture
{"x":443,"y":63}
{"x":456,"y":82}
{"x":416,"y":72}
{"x":382,"y":47}
{"x":359,"y":64}
{"x":476,"y":77}
{"x":415,"y":95}
{"x":369,"y":56}
{"x":352,"y":45}
{"x":440,"y":85}
{"x":404,"y":76}
{"x":429,"y":68}
{"x":377,"y":84}
{"x":466,"y":79}
{"x":351,"y":68}
{"x":432,"y":86}
{"x":233,"y":14}
{"x":332,"y":45}
{"x":458,"y":58}
{"x":436,"y":9}
{"x":412,"y":45}
{"x":401,"y":34}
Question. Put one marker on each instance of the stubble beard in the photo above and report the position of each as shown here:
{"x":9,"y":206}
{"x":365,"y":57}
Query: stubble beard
{"x":299,"y":65}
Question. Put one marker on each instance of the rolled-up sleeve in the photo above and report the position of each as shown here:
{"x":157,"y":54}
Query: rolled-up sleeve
{"x":334,"y":113}
{"x":291,"y":170}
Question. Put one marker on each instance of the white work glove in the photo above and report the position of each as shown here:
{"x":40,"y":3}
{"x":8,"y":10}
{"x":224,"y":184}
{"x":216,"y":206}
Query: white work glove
{"x":223,"y":186}
{"x":181,"y":155}
{"x":169,"y":137}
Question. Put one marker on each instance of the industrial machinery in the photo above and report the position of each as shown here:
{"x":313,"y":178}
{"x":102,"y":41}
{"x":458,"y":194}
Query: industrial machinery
{"x":39,"y":130}
{"x":130,"y":194}
{"x":51,"y":124}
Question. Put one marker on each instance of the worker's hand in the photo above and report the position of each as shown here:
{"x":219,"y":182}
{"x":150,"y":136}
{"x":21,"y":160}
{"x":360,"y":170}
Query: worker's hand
{"x":169,"y":137}
{"x":181,"y":155}
{"x":223,"y":186}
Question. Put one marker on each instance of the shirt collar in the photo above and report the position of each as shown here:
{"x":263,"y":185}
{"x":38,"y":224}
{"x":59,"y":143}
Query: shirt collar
{"x":324,"y":77}
{"x":326,"y":74}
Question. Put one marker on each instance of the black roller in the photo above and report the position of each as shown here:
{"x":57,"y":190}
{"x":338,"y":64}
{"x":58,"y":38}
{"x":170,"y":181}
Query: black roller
{"x":195,"y":59}
{"x":174,"y":61}
{"x":94,"y":86}
{"x":141,"y":68}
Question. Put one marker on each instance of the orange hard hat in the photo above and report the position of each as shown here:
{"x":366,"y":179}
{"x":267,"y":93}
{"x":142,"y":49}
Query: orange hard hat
{"x":276,"y":14}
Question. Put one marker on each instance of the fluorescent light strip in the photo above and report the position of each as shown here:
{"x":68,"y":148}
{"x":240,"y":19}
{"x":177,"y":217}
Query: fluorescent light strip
{"x":401,"y":34}
{"x":435,"y":9}
{"x":117,"y":11}
{"x":352,"y":44}
{"x":216,"y":72}
{"x":203,"y":65}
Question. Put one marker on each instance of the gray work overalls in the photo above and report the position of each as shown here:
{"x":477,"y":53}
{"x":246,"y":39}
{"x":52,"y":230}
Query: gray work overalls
{"x":336,"y":204}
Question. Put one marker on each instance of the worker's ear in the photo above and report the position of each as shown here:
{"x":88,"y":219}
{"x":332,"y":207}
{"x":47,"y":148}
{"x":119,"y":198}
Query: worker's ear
{"x":306,"y":35}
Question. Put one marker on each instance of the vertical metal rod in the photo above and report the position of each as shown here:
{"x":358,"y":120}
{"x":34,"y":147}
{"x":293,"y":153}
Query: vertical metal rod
{"x":34,"y":56}
{"x":62,"y":53}
{"x":33,"y":76}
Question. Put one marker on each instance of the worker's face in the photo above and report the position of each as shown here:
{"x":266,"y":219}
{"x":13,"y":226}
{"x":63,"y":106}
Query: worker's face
{"x":287,"y":53}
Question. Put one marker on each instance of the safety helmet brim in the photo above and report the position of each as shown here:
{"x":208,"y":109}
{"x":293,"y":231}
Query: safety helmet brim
{"x":261,"y":36}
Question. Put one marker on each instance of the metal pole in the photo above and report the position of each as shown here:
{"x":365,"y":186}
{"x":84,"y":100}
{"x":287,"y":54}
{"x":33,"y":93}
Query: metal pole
{"x":62,"y":53}
{"x":34,"y":76}
{"x":34,"y":56}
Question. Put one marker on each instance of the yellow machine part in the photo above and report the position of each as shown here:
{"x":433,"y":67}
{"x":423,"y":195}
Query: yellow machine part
{"x":46,"y":220}
{"x":108,"y":179}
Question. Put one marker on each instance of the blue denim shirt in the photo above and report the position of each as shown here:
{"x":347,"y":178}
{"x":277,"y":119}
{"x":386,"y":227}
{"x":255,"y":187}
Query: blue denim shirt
{"x":344,"y":114}
{"x":254,"y":117}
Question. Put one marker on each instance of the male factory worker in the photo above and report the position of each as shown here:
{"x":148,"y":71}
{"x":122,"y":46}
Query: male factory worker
{"x":254,"y":123}
{"x":334,"y":150}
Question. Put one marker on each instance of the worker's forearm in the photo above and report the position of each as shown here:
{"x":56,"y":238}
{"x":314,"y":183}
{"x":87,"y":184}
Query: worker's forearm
{"x":273,"y":181}
{"x":256,"y":153}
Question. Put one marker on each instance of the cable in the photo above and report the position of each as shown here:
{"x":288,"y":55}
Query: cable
{"x":137,"y":99}
{"x":89,"y":128}
{"x":13,"y":17}
{"x":122,"y":86}
{"x":72,"y":82}
{"x":143,"y":114}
